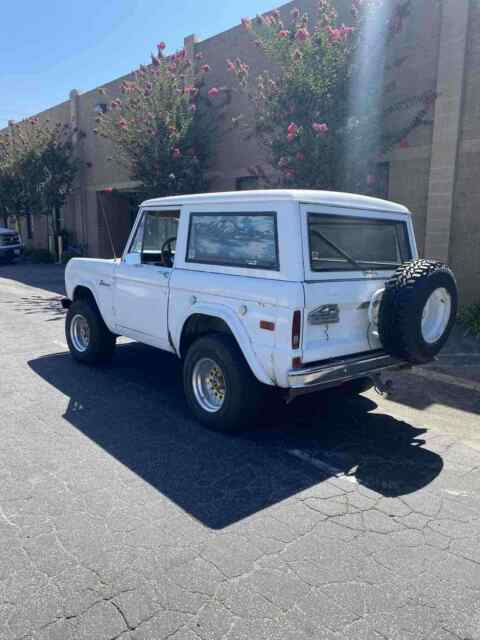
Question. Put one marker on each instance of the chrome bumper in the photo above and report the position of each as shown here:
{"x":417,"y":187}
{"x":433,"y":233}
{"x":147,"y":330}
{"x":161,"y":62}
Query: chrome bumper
{"x":322,"y":376}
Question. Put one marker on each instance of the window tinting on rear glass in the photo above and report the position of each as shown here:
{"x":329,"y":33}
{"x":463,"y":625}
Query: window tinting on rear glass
{"x":247,"y":240}
{"x":342,"y":243}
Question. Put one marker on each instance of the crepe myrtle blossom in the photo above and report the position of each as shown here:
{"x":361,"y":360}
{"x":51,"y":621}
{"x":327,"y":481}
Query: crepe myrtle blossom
{"x":302,"y":34}
{"x":214,"y":91}
{"x":284,"y":33}
{"x":292,"y":129}
{"x":206,"y":68}
{"x":161,"y":46}
{"x":320,"y":127}
{"x":231,"y":66}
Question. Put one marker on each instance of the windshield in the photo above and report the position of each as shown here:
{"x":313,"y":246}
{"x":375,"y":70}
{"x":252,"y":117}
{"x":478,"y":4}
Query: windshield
{"x":343,"y":243}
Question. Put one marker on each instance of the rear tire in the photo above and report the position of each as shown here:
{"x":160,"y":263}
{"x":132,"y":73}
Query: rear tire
{"x":219,"y":386}
{"x":88,"y":337}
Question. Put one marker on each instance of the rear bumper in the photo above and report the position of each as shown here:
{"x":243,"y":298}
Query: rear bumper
{"x":322,"y":376}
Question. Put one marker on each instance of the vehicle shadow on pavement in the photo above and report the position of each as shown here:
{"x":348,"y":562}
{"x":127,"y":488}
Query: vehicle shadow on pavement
{"x":49,"y":277}
{"x":135,"y":410}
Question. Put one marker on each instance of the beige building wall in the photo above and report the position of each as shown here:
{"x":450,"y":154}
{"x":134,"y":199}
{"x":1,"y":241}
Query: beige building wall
{"x":436,"y":173}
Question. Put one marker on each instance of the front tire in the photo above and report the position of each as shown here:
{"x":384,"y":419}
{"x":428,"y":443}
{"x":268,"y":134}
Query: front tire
{"x":219,"y":386}
{"x":88,"y":337}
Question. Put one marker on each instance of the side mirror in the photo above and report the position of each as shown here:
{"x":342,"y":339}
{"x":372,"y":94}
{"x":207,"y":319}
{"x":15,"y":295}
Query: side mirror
{"x":133,"y":259}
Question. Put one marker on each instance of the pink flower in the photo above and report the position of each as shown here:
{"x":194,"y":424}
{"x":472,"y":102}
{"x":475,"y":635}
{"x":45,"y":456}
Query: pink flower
{"x":176,"y":153}
{"x":206,"y":68}
{"x":283,"y":33}
{"x":292,"y":129}
{"x":214,"y":91}
{"x":122,"y":123}
{"x":231,"y":66}
{"x":190,"y":89}
{"x":302,"y":34}
{"x":161,"y":46}
{"x":320,"y":127}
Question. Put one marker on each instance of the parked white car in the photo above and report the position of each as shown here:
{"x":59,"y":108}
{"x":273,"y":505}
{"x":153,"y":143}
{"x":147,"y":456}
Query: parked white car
{"x":11,"y":245}
{"x":300,"y":290}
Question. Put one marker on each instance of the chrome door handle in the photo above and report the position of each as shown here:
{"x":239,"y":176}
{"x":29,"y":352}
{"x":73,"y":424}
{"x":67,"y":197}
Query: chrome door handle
{"x":102,"y":283}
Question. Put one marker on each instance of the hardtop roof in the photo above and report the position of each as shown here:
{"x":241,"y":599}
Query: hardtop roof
{"x":306,"y":196}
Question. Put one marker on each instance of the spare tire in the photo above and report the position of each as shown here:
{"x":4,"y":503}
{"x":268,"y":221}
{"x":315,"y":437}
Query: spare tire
{"x":418,"y":310}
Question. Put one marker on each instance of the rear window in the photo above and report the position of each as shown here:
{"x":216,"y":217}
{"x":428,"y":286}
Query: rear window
{"x":343,"y":243}
{"x":234,"y":239}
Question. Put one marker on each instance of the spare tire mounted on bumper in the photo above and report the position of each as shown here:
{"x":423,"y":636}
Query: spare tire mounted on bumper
{"x":418,"y":310}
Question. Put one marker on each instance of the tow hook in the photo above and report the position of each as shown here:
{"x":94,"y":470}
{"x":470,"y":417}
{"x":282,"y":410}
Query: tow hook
{"x":384,"y":388}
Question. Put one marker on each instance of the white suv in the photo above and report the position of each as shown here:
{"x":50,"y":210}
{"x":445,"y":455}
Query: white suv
{"x":300,"y":290}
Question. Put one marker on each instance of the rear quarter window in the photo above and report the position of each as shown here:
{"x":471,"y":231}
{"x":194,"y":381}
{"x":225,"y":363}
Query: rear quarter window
{"x":247,"y":240}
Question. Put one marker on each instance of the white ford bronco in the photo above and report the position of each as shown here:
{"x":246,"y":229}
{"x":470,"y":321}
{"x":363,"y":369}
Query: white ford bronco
{"x":300,"y":290}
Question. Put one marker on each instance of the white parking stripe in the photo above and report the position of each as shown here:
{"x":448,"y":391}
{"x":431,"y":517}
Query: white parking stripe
{"x":447,"y":379}
{"x":320,"y":464}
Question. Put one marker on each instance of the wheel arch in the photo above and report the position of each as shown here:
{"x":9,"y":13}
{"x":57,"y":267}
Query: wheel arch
{"x":206,"y":319}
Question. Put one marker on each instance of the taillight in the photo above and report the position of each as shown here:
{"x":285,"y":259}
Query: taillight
{"x":296,"y":329}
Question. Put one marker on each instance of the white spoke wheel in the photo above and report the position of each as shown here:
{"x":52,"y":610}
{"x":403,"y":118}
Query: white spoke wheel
{"x":436,"y":315}
{"x":80,"y":332}
{"x":208,"y":382}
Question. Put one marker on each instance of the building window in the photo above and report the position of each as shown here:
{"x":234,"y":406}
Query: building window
{"x":100,"y":107}
{"x":247,"y":183}
{"x":247,"y":240}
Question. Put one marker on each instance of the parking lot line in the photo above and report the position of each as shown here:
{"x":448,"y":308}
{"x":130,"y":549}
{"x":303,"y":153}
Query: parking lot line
{"x":321,"y":464}
{"x":447,"y":379}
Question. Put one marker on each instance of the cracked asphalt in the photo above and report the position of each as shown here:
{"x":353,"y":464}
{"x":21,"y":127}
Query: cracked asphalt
{"x":120,"y":517}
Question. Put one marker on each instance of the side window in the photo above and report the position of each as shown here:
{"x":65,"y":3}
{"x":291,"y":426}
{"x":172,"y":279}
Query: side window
{"x":247,"y":240}
{"x":156,"y":237}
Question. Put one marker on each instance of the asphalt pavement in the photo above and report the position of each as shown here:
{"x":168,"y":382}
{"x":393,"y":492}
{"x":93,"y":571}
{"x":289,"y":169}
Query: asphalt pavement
{"x":121,"y":517}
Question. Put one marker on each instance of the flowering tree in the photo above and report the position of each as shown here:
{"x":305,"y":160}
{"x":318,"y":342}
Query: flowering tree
{"x":322,"y":112}
{"x":37,"y":169}
{"x":162,"y":125}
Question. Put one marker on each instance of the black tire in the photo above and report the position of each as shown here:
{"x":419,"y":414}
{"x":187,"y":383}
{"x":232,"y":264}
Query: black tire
{"x":101,"y":343}
{"x":357,"y":386}
{"x":403,"y":305}
{"x":243,"y":393}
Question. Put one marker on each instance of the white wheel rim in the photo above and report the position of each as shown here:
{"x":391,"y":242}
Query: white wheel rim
{"x":80,"y":333}
{"x":436,"y":315}
{"x":208,"y":384}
